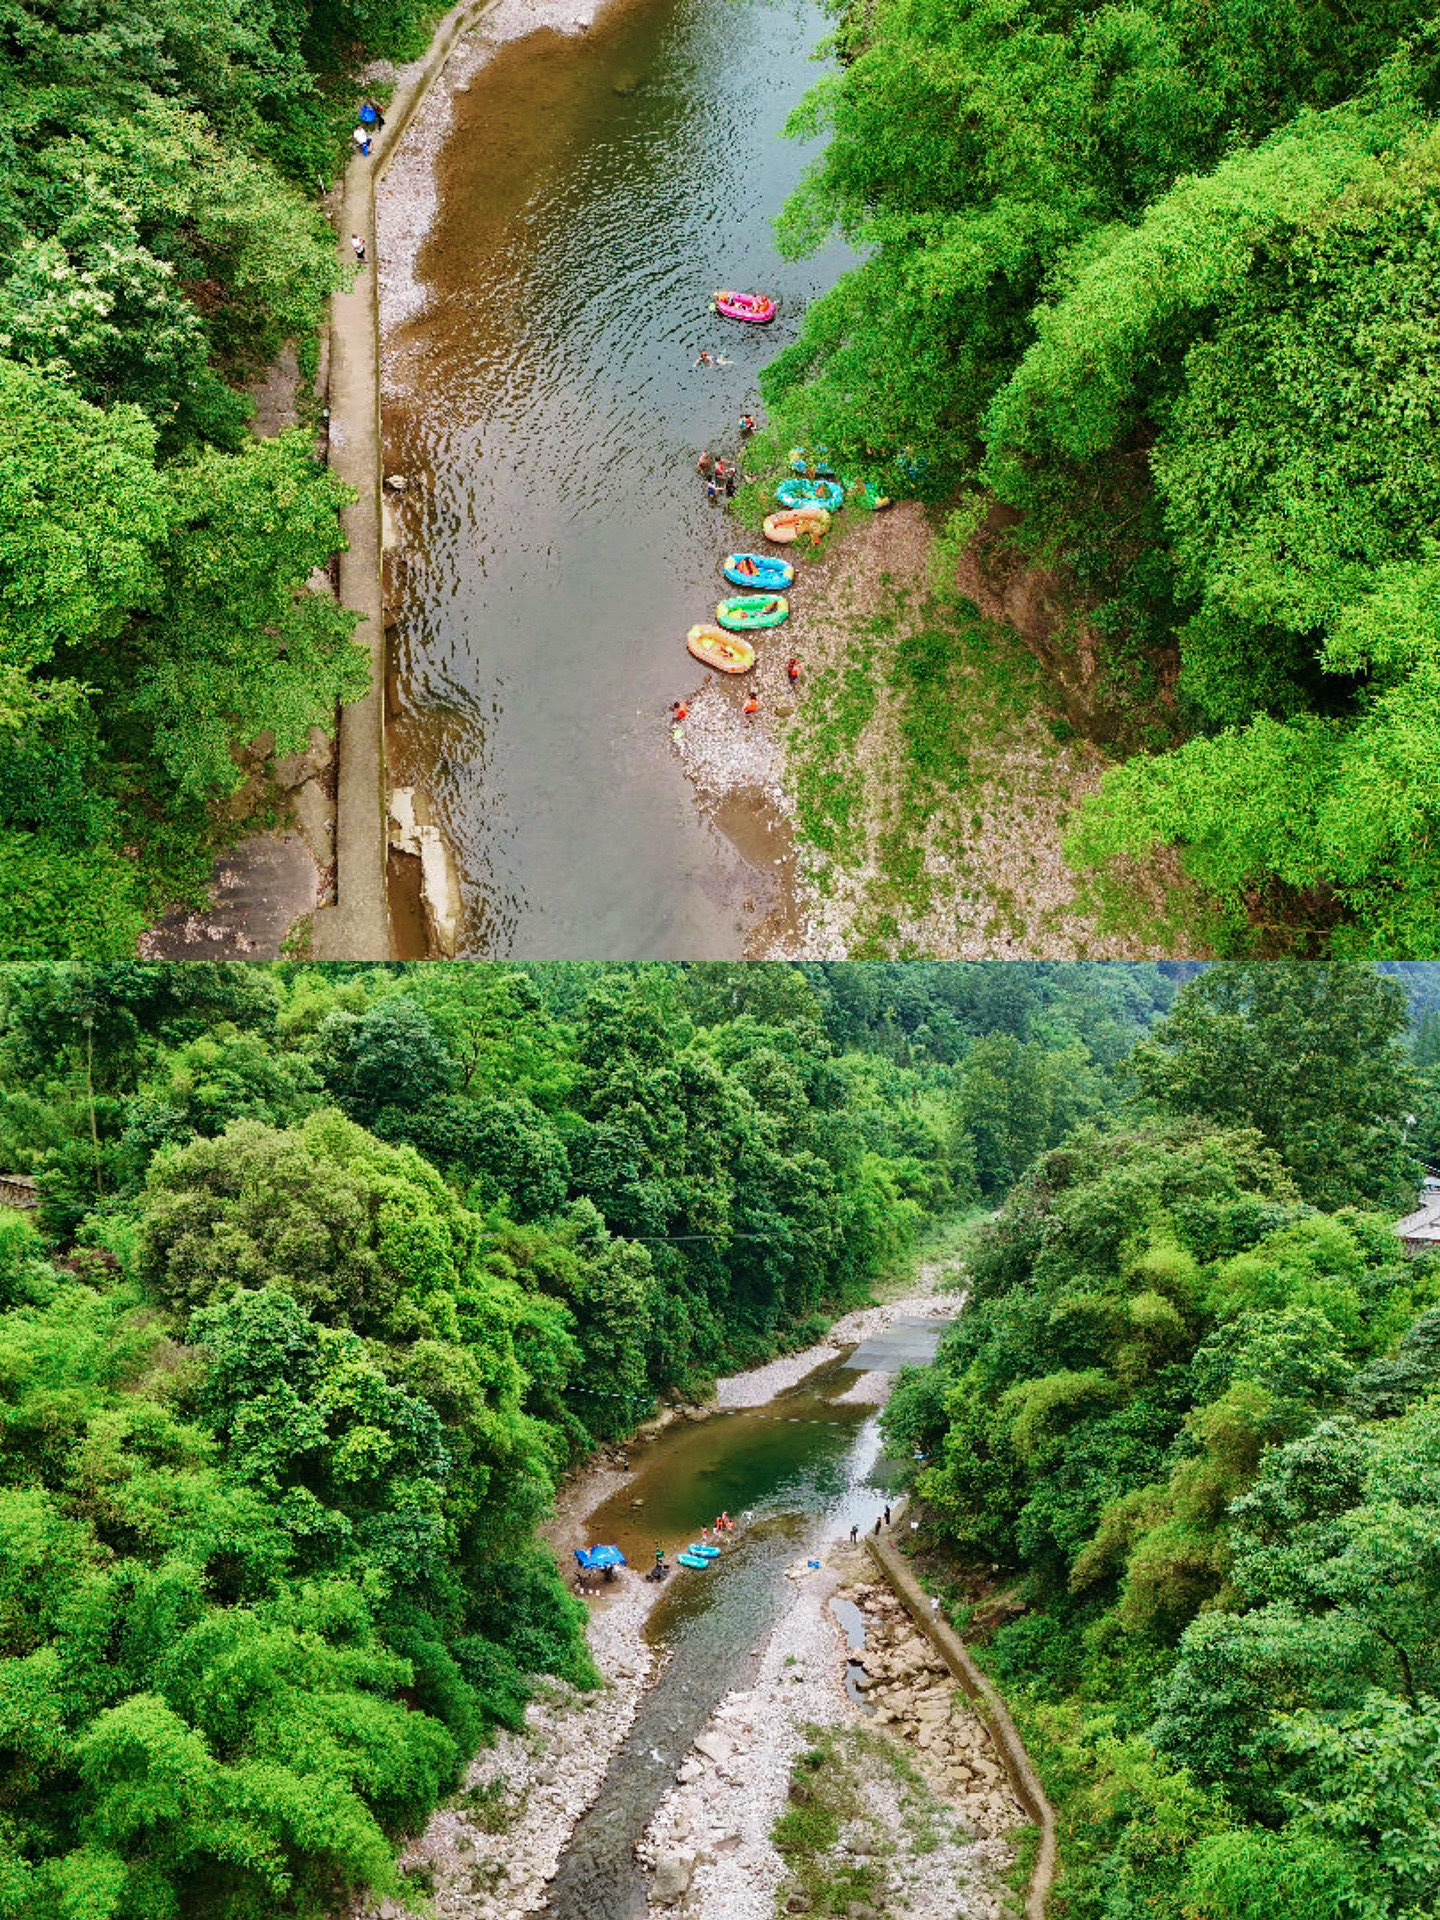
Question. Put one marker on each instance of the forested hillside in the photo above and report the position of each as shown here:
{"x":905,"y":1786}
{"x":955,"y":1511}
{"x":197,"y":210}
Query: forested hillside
{"x":159,"y":241}
{"x":335,"y":1271}
{"x":1158,"y":281}
{"x":1183,"y":1463}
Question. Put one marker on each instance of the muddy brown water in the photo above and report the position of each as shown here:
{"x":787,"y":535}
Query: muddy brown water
{"x":796,"y":1474}
{"x":557,"y":544}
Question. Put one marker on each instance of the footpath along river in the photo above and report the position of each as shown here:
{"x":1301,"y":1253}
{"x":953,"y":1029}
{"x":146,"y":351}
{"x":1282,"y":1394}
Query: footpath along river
{"x":553,"y":543}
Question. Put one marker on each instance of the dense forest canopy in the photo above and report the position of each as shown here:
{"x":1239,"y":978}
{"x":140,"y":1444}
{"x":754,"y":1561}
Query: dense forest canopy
{"x":1160,"y":277}
{"x":335,"y":1271}
{"x":159,"y":242}
{"x":1184,"y":1446}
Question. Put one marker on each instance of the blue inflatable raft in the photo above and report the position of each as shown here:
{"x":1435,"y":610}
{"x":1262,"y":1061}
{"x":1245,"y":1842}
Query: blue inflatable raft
{"x":692,"y":1560}
{"x":810,"y":493}
{"x":767,"y":573}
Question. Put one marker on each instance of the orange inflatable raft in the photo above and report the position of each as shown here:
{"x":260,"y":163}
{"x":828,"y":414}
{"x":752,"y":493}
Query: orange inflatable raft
{"x":726,"y":652}
{"x":784,"y":527}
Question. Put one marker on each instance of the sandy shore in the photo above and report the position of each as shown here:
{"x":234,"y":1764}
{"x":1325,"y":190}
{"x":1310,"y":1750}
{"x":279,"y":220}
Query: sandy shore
{"x":408,"y":196}
{"x":753,"y":1389}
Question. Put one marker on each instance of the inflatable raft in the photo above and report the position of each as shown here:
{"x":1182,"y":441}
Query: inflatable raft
{"x":743,"y":612}
{"x":756,"y":308}
{"x":784,"y":527}
{"x":705,"y":1552}
{"x":720,"y":650}
{"x":765,"y":572}
{"x":811,"y":493}
{"x":692,"y":1560}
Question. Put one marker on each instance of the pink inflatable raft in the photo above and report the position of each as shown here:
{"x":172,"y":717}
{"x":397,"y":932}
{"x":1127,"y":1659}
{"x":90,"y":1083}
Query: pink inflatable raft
{"x":757,"y":308}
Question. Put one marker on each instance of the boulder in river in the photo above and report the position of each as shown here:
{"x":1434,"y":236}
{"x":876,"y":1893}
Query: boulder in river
{"x":672,"y":1875}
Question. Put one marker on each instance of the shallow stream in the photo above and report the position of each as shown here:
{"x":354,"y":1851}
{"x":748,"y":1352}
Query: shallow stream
{"x":796,"y":1474}
{"x":555,"y":543}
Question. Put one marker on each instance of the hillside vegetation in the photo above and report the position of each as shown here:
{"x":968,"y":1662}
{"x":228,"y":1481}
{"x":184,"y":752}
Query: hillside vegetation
{"x":335,"y":1272}
{"x":1158,"y":279}
{"x":159,"y":242}
{"x":1181,"y":1457}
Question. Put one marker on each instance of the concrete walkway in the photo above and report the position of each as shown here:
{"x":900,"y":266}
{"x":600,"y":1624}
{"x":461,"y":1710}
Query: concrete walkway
{"x":357,"y":926}
{"x":993,"y":1711}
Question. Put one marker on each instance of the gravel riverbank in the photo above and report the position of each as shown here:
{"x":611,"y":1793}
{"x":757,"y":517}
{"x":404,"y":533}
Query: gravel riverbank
{"x":929,"y":1795}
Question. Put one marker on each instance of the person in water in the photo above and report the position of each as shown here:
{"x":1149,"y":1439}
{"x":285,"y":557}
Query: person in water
{"x":747,"y":423}
{"x":706,"y":359}
{"x":730,"y":483}
{"x":792,"y":667}
{"x":711,"y":491}
{"x":680,"y":710}
{"x":703,"y":464}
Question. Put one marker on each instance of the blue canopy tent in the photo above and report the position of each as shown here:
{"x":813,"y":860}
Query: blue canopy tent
{"x":600,"y":1557}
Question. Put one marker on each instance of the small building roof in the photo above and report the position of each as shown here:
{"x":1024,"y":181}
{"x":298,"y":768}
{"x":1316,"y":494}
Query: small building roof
{"x":1421,"y":1228}
{"x":18,"y":1190}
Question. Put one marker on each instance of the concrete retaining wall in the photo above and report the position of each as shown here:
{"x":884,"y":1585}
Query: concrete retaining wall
{"x":992,"y":1709}
{"x":357,"y":926}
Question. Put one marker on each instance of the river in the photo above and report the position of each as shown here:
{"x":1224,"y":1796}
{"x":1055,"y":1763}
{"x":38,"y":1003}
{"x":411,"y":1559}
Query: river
{"x":554,"y":544}
{"x":803,"y":1468}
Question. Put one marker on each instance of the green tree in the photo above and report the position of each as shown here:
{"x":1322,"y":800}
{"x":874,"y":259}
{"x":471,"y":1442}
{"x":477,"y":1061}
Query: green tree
{"x":1311,"y":1056}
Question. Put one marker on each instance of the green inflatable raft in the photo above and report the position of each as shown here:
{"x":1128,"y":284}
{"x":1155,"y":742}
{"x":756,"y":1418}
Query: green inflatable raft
{"x":743,"y":612}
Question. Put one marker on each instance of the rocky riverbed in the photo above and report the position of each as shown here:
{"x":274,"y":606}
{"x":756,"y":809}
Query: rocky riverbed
{"x":709,"y":1848}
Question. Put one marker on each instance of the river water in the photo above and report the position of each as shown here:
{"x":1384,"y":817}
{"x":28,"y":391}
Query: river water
{"x":804,"y":1468}
{"x":557,"y":545}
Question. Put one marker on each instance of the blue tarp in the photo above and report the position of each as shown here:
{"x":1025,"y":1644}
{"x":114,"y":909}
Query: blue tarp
{"x":368,"y":115}
{"x":600,"y":1557}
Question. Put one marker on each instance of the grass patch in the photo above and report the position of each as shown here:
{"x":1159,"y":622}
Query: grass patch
{"x":485,"y":1806}
{"x":830,"y":788}
{"x":823,"y":1781}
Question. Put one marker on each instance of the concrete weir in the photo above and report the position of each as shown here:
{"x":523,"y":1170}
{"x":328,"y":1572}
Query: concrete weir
{"x":357,"y":926}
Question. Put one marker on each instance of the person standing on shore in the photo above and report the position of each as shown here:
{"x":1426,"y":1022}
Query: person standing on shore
{"x":887,"y":1516}
{"x":854,"y":1533}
